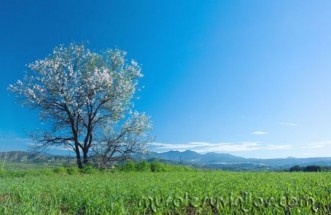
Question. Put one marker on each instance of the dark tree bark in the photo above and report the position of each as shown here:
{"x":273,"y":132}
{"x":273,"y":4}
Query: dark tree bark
{"x":78,"y":159}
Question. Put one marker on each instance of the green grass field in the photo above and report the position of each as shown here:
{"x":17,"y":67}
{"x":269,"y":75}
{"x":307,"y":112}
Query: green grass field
{"x":190,"y":192}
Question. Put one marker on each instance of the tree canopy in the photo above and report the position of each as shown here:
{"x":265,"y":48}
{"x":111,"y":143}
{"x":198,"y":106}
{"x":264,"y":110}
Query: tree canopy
{"x":86,"y":99}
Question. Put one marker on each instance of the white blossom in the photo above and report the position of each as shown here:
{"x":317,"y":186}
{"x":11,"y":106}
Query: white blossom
{"x":78,"y":92}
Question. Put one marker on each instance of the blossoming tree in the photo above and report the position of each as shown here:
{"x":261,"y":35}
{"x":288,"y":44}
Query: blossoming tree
{"x":85,"y":98}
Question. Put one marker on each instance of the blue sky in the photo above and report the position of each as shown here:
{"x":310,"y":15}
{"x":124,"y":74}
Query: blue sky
{"x":251,"y":78}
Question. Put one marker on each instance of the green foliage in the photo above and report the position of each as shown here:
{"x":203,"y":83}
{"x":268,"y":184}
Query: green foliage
{"x":88,"y":169}
{"x":129,"y":166}
{"x":157,"y":167}
{"x":154,"y":166}
{"x":45,"y":172}
{"x":190,"y":192}
{"x":60,"y":170}
{"x":142,"y":166}
{"x":72,"y":170}
{"x":309,"y":168}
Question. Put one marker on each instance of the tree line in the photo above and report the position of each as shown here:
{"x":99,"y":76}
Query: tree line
{"x":310,"y":168}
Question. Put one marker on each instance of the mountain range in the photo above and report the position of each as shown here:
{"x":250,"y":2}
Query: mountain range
{"x":206,"y":161}
{"x":231,"y":162}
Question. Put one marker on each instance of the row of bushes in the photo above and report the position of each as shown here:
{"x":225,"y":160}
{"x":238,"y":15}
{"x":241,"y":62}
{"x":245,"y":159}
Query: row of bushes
{"x":128,"y":166}
{"x":154,"y":166}
{"x":70,"y":170}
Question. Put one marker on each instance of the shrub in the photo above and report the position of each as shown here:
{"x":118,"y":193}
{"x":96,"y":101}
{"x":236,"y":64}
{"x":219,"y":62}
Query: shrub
{"x":72,"y":170}
{"x":20,"y":173}
{"x":88,"y":169}
{"x":157,"y":167}
{"x":46,"y":172}
{"x":129,"y":166}
{"x":60,"y":170}
{"x":296,"y":168}
{"x":143,"y":166}
{"x":312,"y":168}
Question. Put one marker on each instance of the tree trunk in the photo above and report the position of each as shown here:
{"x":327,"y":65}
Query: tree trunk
{"x":78,"y":159}
{"x":85,"y":156}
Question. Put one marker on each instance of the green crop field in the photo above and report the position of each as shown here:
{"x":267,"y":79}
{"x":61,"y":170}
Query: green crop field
{"x":190,"y":192}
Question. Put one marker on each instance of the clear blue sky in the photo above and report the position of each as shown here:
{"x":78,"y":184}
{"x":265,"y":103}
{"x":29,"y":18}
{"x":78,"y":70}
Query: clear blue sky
{"x":251,"y":78}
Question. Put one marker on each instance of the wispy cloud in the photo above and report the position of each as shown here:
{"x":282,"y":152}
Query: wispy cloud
{"x":204,"y":147}
{"x":318,"y":145}
{"x":253,"y":149}
{"x":278,"y":147}
{"x":259,"y":132}
{"x":291,"y":124}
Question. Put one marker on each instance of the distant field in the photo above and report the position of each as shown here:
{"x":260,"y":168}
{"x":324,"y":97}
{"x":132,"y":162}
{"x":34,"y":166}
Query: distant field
{"x":195,"y":192}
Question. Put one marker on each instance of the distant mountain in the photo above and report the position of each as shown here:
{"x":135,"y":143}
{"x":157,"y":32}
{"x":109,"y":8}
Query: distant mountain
{"x":194,"y":157}
{"x":231,"y":162}
{"x":186,"y":156}
{"x":36,"y":158}
{"x":213,"y":157}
